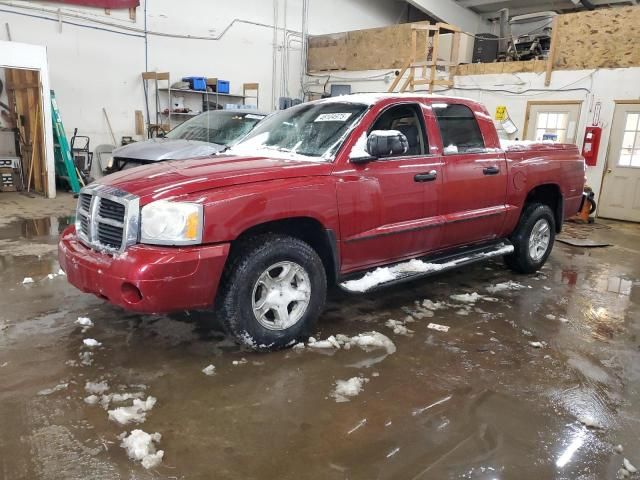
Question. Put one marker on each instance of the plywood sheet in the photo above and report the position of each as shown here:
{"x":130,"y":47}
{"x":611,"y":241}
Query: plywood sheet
{"x":603,"y":38}
{"x":536,"y":66}
{"x":327,"y":52}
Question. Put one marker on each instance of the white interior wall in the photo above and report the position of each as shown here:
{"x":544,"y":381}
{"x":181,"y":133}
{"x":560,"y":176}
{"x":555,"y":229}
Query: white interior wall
{"x":7,"y":144}
{"x":92,"y":68}
{"x":590,"y":86}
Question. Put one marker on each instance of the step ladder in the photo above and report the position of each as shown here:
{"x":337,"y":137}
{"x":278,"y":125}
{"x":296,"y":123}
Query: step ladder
{"x":65,"y":167}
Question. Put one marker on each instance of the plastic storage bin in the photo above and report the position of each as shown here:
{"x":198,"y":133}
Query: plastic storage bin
{"x":223,"y":86}
{"x":196,"y":83}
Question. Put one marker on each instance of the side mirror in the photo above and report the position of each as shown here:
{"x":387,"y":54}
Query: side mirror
{"x":386,"y":143}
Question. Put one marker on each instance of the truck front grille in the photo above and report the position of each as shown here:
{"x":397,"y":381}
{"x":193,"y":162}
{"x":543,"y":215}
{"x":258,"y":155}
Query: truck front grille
{"x":107,"y":218}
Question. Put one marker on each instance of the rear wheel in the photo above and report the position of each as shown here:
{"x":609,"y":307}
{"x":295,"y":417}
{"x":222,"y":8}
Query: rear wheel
{"x":273,"y":291}
{"x":533,"y":239}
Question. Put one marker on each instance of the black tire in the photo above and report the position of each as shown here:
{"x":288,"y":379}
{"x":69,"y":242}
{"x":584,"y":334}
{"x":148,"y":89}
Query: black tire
{"x":521,"y":260}
{"x":240,"y":284}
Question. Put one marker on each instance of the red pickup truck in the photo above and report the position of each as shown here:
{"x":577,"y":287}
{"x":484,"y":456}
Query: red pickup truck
{"x":362,"y":190}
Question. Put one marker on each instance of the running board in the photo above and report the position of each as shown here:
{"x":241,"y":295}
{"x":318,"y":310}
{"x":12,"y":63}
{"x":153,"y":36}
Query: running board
{"x":422,"y":267}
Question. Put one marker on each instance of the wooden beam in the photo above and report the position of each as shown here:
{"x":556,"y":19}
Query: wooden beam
{"x":552,"y":52}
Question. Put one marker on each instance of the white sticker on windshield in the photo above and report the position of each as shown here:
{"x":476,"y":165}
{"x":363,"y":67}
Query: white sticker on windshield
{"x":332,"y":117}
{"x":251,"y":116}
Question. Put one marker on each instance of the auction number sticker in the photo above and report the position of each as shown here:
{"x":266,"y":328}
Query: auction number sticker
{"x":332,"y":117}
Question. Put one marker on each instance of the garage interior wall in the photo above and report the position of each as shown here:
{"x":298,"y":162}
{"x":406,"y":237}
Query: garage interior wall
{"x":94,"y":65}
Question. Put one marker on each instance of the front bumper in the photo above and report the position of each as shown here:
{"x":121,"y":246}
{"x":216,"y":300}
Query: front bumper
{"x":145,"y":278}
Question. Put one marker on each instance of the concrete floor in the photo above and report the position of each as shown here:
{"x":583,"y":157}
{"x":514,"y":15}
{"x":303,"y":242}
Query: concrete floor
{"x":475,"y":402}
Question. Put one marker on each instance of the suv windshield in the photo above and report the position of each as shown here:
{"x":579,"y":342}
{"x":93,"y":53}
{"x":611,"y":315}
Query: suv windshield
{"x":221,"y":127}
{"x":311,"y":131}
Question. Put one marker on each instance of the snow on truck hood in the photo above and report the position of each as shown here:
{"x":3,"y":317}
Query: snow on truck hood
{"x":159,"y":149}
{"x":172,"y":178}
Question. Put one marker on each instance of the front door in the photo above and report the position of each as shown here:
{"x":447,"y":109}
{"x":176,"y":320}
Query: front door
{"x":556,"y":121}
{"x":620,"y":197}
{"x":389,"y":206}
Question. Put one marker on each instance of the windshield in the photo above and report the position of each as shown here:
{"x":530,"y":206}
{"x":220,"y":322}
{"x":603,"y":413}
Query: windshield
{"x":312,"y":131}
{"x":221,"y":127}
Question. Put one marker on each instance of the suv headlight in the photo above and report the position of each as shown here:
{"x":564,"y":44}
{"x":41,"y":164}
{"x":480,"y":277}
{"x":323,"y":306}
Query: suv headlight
{"x":171,"y":223}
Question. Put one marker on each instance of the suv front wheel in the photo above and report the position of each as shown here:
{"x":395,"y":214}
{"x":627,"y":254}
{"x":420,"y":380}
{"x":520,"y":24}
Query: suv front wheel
{"x":272,"y":292}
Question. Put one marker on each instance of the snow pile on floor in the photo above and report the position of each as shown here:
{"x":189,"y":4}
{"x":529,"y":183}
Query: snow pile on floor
{"x":92,"y":400}
{"x":471,"y":298}
{"x":366,"y":341}
{"x":27,"y":280}
{"x":86,"y":358}
{"x":348,"y":388}
{"x":398,"y":327}
{"x":387,"y":274}
{"x":96,"y":388}
{"x":501,"y":287}
{"x":429,"y":305}
{"x":209,"y":370}
{"x":136,"y":413}
{"x":140,"y":447}
{"x":84,"y":322}
{"x":57,"y":388}
{"x":537,"y":344}
{"x":91,"y":342}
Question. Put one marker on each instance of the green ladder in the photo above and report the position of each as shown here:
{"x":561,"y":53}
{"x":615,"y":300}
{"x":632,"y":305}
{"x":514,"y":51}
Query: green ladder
{"x":65,"y":167}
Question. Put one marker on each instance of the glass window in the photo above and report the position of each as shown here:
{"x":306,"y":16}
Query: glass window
{"x":406,"y":120}
{"x":459,"y":128}
{"x":220,"y":127}
{"x":630,"y":148}
{"x":552,"y":126}
{"x":312,"y":131}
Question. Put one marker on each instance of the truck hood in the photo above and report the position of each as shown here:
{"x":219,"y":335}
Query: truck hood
{"x":158,"y":149}
{"x":173,"y":178}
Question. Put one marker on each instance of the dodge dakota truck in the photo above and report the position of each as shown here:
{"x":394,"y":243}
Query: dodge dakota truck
{"x":362,"y":191}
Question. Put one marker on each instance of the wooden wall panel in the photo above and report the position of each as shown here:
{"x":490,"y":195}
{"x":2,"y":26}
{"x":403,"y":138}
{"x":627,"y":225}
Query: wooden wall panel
{"x":604,"y":38}
{"x":536,"y":66}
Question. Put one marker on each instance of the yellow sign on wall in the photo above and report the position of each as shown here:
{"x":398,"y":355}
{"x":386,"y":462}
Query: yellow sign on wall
{"x":501,"y":112}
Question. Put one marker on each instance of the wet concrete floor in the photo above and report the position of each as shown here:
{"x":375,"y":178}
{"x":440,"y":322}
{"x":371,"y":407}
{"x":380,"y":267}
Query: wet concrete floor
{"x":478,"y":401}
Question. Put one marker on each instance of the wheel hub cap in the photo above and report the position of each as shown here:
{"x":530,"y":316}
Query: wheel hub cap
{"x":281,"y":295}
{"x":539,"y":239}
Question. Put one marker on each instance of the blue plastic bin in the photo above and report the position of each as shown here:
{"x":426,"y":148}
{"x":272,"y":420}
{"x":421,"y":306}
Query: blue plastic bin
{"x":196,"y":83}
{"x":223,"y":86}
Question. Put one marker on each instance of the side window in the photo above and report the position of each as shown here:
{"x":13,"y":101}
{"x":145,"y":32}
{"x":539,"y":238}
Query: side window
{"x":407,"y":120}
{"x":459,"y":128}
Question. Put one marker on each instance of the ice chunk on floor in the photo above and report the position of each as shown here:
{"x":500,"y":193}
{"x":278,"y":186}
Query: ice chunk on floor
{"x":398,"y":327}
{"x":86,"y":358}
{"x":367,"y":340}
{"x":629,"y":466}
{"x":471,"y":298}
{"x":501,"y":287}
{"x":84,"y":322}
{"x":57,"y":388}
{"x":346,"y":389}
{"x":27,"y":280}
{"x":136,"y":413}
{"x":96,"y":388}
{"x":140,"y":446}
{"x":242,"y":361}
{"x":429,"y":305}
{"x":91,"y":342}
{"x":330,"y":342}
{"x":537,"y":344}
{"x":91,"y":400}
{"x":209,"y":370}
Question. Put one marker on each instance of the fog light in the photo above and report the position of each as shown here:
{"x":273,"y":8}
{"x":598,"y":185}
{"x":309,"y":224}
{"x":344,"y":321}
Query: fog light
{"x":131,"y":293}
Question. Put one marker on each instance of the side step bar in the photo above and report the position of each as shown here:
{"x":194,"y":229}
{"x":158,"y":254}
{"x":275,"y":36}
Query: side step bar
{"x":422,"y":267}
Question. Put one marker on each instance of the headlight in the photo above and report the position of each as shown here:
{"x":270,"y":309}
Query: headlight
{"x":171,"y":223}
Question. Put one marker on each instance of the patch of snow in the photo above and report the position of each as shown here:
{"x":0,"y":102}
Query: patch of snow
{"x":57,"y":388}
{"x":504,"y":250}
{"x":550,"y":316}
{"x":629,"y":467}
{"x":61,"y":272}
{"x":466,"y":297}
{"x":84,"y":321}
{"x":398,"y":327}
{"x":209,"y":370}
{"x":27,"y":280}
{"x":136,"y":413}
{"x":501,"y":287}
{"x":438,"y":327}
{"x":428,"y":304}
{"x":359,"y":149}
{"x":242,"y":361}
{"x":86,"y":358}
{"x":97,"y":388}
{"x":373,"y":340}
{"x":140,"y":446}
{"x":330,"y":342}
{"x":537,"y":344}
{"x":590,"y":422}
{"x":346,"y":389}
{"x":91,"y":400}
{"x":522,"y":144}
{"x":387,"y":274}
{"x":298,"y":346}
{"x":547,"y":288}
{"x":91,"y":342}
{"x":451,"y":149}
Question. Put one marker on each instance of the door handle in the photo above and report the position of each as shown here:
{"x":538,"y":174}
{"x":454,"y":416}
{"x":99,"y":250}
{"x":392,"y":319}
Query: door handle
{"x":426,"y":177}
{"x":491,"y":170}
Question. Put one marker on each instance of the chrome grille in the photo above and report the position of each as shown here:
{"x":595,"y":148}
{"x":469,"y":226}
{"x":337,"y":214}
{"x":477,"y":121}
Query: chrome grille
{"x":107,"y":218}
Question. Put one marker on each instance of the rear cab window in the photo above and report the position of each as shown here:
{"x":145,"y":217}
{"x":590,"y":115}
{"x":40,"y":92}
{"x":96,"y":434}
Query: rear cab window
{"x":459,"y":129}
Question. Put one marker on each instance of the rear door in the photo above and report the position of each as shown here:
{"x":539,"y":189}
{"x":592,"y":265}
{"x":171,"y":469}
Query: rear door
{"x":389,"y":206}
{"x":475,"y":177}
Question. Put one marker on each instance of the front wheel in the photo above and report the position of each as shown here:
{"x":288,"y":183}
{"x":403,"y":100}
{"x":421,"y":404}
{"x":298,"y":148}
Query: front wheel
{"x":272,"y":293}
{"x":533,"y":239}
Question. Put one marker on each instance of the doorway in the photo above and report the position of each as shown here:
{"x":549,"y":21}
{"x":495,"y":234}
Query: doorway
{"x":620,"y":195}
{"x":552,"y":120}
